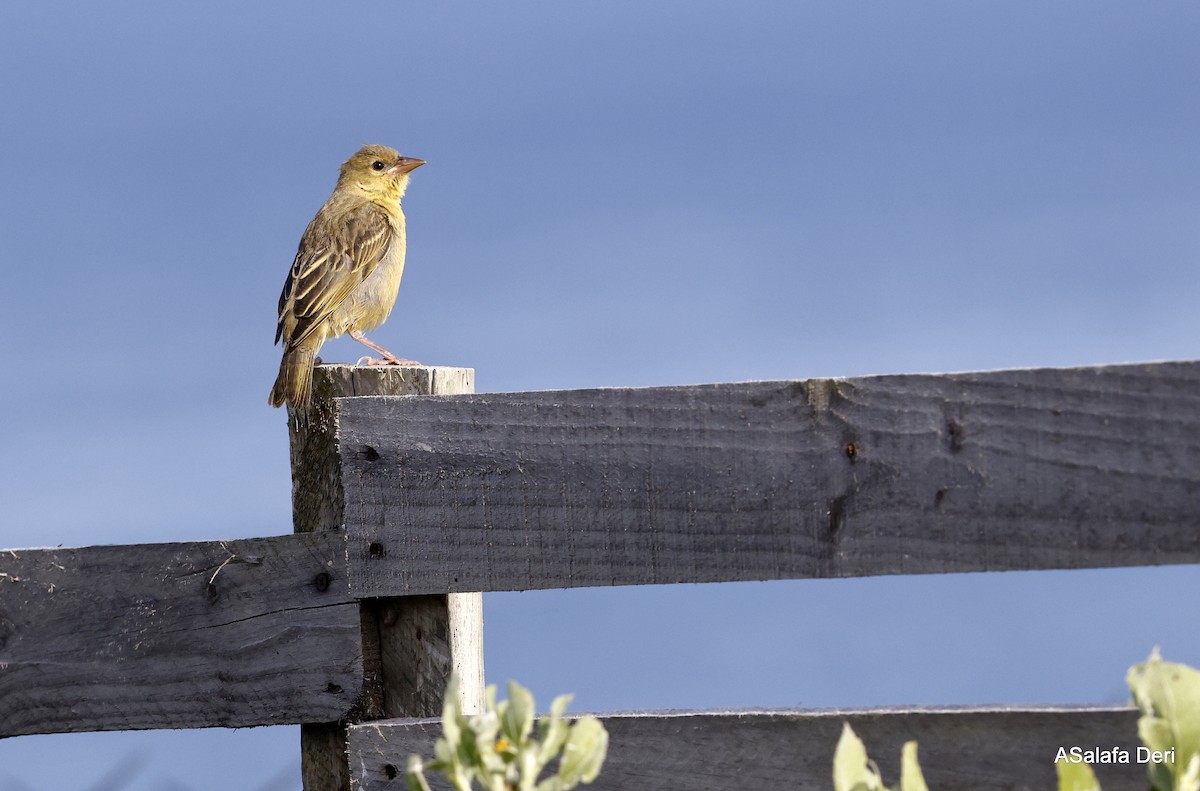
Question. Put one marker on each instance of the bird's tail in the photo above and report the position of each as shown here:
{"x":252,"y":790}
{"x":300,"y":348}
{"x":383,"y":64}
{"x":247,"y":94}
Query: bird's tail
{"x":294,"y":383}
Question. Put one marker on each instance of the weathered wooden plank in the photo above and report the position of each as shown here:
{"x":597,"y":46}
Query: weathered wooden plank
{"x":410,"y":645}
{"x":316,"y":469}
{"x":431,"y":638}
{"x":1029,"y":469}
{"x":993,"y":749}
{"x":218,"y":633}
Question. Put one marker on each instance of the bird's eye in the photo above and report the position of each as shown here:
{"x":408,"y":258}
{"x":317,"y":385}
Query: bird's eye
{"x":377,"y":165}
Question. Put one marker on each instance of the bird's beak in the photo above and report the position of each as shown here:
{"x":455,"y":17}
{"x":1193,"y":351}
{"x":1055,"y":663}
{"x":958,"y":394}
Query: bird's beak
{"x":406,"y":164}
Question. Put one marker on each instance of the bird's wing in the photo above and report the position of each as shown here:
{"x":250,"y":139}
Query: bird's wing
{"x":334,"y":257}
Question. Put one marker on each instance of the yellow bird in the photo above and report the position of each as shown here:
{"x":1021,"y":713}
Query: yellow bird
{"x":347,"y":271}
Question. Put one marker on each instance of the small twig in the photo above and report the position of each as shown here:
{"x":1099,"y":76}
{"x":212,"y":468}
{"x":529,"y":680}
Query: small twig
{"x":253,"y":560}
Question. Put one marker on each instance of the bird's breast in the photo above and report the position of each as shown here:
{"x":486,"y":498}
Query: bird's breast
{"x":371,"y":302}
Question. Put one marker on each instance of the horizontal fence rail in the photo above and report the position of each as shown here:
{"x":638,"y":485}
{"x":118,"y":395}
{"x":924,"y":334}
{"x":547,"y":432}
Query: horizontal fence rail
{"x":403,"y":500}
{"x":235,"y":633}
{"x":1028,"y":469}
{"x":992,"y":749}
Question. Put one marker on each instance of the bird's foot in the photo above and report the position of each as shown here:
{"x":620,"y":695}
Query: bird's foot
{"x":389,"y":360}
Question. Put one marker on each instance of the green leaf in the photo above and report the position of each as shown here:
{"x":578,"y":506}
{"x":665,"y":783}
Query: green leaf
{"x":1168,"y":695}
{"x":1191,"y":777}
{"x":584,"y":752}
{"x":552,"y":730}
{"x":516,"y":714}
{"x":485,"y":752}
{"x":559,"y":706}
{"x":852,"y":771}
{"x":911,"y":778}
{"x":469,"y":749}
{"x":1075,"y":777}
{"x":451,"y":714}
{"x":489,"y":698}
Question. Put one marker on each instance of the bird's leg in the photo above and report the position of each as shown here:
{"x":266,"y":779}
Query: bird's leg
{"x":387,"y":359}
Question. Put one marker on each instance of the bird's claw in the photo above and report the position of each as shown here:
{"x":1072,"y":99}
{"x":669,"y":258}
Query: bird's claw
{"x":385,"y":361}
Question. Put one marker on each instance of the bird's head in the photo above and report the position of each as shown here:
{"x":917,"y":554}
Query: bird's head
{"x":379,"y":171}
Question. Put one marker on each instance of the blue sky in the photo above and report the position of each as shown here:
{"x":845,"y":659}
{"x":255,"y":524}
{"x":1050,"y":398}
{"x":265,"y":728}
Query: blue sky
{"x":621,"y":193}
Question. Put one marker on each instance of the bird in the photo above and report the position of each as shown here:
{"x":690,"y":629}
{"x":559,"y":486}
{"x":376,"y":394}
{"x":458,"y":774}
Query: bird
{"x":347,"y":270}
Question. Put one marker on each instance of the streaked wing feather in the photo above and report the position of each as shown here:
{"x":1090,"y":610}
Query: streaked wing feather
{"x":333,"y":259}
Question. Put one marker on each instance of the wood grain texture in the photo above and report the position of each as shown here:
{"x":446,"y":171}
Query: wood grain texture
{"x":432,"y":637}
{"x":1030,"y":469}
{"x":234,"y":633}
{"x":316,"y":469}
{"x":410,"y":645}
{"x":323,"y":757}
{"x":995,"y":749}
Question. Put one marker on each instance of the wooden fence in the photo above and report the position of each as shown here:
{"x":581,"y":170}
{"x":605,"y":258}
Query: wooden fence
{"x":407,"y":508}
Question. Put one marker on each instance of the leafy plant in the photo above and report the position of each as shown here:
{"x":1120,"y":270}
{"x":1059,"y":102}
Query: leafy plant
{"x":1168,"y":695}
{"x":854,"y":771}
{"x":498,"y":748}
{"x":1075,"y":777}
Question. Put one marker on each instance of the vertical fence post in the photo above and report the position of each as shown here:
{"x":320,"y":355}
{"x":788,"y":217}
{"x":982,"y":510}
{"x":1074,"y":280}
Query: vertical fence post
{"x":410,"y":644}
